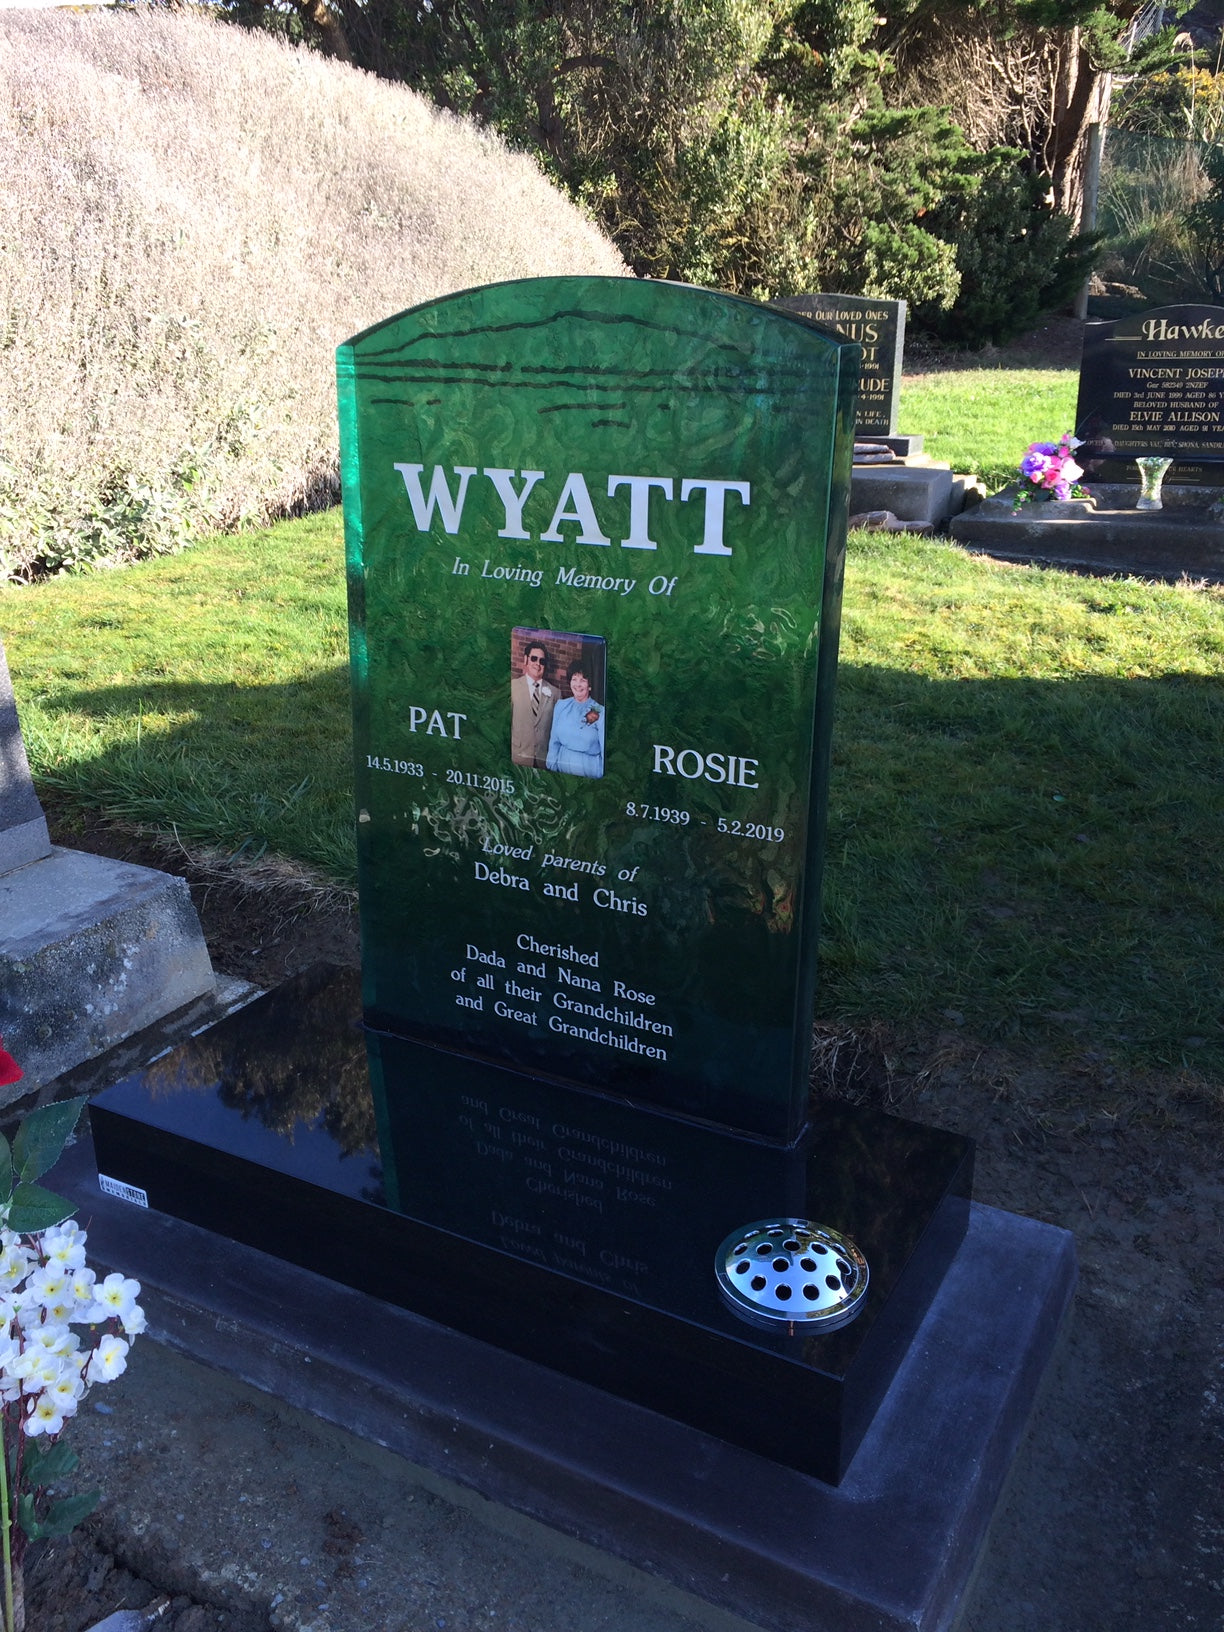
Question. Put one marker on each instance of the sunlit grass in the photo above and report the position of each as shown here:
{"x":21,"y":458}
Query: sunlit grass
{"x":1024,"y":801}
{"x":981,"y":419}
{"x":206,"y":694}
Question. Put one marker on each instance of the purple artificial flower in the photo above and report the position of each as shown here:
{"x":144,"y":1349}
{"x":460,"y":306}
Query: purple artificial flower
{"x":1051,"y":466}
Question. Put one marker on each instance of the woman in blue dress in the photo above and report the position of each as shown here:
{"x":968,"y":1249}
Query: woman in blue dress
{"x":577,"y":741}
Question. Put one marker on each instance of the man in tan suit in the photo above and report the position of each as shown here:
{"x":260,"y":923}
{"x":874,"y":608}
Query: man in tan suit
{"x":532,"y":701}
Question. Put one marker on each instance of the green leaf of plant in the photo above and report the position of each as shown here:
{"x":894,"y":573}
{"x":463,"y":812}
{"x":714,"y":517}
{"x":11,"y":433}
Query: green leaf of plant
{"x":42,"y":1136}
{"x":6,"y":1170}
{"x":44,"y":1464}
{"x":36,"y":1209}
{"x":61,"y":1517}
{"x":67,"y":1513}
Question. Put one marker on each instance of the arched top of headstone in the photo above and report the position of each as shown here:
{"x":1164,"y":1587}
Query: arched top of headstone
{"x":618,"y":333}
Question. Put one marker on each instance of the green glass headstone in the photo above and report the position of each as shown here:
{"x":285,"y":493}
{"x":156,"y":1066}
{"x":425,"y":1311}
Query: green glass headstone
{"x":595,"y":534}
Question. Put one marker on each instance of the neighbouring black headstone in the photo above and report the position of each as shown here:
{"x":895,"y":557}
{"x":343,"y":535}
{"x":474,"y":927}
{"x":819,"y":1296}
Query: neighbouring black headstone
{"x":1152,"y":385}
{"x":879,"y":328}
{"x":595,"y":537}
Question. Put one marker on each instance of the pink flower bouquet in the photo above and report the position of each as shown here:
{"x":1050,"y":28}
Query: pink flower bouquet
{"x":1051,"y":471}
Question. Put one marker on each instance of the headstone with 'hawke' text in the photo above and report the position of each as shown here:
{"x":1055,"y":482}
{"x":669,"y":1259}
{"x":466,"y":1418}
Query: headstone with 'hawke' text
{"x":1152,"y":385}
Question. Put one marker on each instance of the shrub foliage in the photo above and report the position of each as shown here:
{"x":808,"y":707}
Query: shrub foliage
{"x":1016,"y":257}
{"x":763,"y":146}
{"x":192,"y":217}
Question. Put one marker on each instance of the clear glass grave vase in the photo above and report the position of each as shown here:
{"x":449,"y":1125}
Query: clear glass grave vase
{"x":1151,"y":476}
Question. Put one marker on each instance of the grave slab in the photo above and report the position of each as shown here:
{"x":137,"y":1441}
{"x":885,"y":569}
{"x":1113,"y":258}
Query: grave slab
{"x":891,"y":1549}
{"x":526,"y":1233}
{"x":577,"y":1068}
{"x":1166,"y":544}
{"x":911,"y":492}
{"x":91,"y":950}
{"x":905,"y":447}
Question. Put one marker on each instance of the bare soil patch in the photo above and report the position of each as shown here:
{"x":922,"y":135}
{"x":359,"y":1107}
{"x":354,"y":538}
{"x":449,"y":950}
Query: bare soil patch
{"x":263,"y":921}
{"x":1056,"y":342}
{"x":78,"y":1580}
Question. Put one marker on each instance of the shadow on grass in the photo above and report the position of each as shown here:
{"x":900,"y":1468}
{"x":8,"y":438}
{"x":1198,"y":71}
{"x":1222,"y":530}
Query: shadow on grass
{"x":1034,"y":858}
{"x":1030,"y":857}
{"x":242,"y":768}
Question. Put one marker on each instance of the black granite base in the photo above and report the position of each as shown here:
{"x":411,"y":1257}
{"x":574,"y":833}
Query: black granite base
{"x":891,"y":1549}
{"x":572,"y":1231}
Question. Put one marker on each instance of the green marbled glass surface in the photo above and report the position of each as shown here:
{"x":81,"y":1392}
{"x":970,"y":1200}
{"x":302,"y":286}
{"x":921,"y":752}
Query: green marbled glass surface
{"x":712,"y":642}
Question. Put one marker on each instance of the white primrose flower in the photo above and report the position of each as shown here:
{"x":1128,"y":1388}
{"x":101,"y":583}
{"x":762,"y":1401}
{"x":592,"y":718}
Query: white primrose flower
{"x":54,"y":1339}
{"x":15,"y":1262}
{"x":10,"y":1354}
{"x":10,"y":1348}
{"x":37,"y":1370}
{"x":45,"y":1418}
{"x":64,"y":1245}
{"x":66,"y":1391}
{"x":48,"y":1284}
{"x":59,"y":1313}
{"x":117,"y":1296}
{"x":83,"y":1288}
{"x":26,"y":1301}
{"x":108,"y":1361}
{"x":45,"y":1288}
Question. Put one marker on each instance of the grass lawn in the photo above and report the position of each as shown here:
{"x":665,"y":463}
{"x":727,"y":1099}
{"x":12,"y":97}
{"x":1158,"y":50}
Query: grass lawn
{"x":1025,"y":803}
{"x":1024,"y":817}
{"x":982,"y":419}
{"x":204,"y":693}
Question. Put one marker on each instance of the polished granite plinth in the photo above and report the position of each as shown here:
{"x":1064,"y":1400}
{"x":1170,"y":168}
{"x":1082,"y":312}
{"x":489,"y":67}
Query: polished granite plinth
{"x":890,"y":1549}
{"x":573,"y":1231}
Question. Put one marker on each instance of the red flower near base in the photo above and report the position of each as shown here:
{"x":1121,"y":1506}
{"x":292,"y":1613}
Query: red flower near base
{"x":10,"y":1071}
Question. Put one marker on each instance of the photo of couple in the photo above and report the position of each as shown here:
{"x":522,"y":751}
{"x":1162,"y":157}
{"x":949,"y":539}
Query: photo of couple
{"x":557,"y":715}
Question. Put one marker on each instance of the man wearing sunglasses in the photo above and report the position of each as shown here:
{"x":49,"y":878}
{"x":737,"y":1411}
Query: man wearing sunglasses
{"x":532,"y":701}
